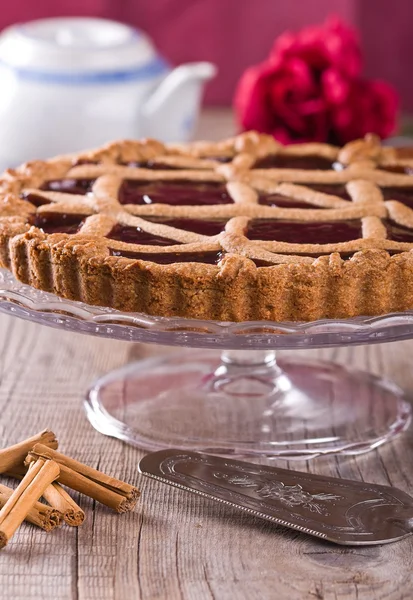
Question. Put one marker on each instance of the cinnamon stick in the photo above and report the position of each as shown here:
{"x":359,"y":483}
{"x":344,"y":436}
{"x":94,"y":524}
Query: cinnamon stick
{"x":14,"y":456}
{"x":116,"y":494}
{"x":40,"y":474}
{"x":43,"y":516}
{"x":60,"y":500}
{"x":57,"y":497}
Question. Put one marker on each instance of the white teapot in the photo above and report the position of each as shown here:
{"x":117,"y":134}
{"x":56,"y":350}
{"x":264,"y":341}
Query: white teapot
{"x":68,"y":84}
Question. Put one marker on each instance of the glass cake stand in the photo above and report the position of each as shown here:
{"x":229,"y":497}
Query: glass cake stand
{"x":233,"y":397}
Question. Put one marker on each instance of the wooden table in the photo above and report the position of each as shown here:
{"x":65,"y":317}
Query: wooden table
{"x":176,"y":545}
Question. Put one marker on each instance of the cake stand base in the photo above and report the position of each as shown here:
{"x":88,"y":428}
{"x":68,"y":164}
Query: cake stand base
{"x":240,"y":402}
{"x":246,"y":403}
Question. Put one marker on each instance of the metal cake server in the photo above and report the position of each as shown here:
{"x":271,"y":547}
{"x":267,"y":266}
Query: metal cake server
{"x":339,"y":510}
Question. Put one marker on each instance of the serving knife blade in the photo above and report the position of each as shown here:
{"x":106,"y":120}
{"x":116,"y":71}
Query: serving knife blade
{"x":339,"y":510}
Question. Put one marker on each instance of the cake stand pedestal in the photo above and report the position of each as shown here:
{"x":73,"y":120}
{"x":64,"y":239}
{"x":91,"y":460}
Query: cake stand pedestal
{"x":235,"y":397}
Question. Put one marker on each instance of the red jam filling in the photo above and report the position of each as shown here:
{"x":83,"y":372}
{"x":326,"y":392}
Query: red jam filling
{"x":333,"y":189}
{"x":136,"y":235}
{"x":282,"y":161}
{"x":398,"y":233}
{"x":149,"y":164}
{"x":69,"y":186}
{"x":168,"y":258}
{"x":58,"y":222}
{"x":282,"y":201}
{"x":401,"y":194}
{"x":177,"y":193}
{"x":404,"y":170}
{"x":316,"y":232}
{"x":285,"y":202}
{"x":84,"y":161}
{"x":344,"y":256}
{"x":157,"y":166}
{"x":193,"y":225}
{"x":34,"y":199}
{"x":402,"y":153}
{"x":221,"y":159}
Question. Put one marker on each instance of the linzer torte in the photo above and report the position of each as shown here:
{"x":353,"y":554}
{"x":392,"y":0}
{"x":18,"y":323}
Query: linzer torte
{"x":244,"y":229}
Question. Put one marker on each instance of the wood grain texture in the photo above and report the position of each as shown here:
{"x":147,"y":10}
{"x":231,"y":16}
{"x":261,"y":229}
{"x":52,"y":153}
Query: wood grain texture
{"x":178,"y":546}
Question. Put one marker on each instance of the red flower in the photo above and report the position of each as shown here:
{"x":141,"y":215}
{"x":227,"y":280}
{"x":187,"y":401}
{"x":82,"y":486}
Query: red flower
{"x":309,"y":89}
{"x":332,"y":44}
{"x":369,"y":107}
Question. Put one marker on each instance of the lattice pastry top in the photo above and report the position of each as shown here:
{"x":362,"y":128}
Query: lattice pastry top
{"x":208,"y":213}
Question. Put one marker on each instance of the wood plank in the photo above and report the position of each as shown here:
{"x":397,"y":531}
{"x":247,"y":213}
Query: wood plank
{"x":177,"y":545}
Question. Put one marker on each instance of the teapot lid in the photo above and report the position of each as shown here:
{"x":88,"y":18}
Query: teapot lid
{"x":80,"y":44}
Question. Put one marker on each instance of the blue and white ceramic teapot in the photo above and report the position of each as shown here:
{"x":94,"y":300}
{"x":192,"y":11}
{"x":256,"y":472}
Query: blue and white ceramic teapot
{"x":68,"y":84}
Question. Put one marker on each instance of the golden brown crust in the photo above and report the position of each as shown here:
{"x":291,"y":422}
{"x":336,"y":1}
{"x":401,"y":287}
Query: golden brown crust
{"x":370,"y":283}
{"x":255,"y":279}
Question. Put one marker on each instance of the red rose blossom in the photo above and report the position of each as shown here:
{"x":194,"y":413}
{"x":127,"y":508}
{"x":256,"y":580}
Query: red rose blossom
{"x":310,"y":89}
{"x":369,"y":107}
{"x":332,"y":44}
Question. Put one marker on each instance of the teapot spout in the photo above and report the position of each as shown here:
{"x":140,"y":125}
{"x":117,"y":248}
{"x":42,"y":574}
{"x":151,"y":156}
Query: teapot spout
{"x":171,"y":112}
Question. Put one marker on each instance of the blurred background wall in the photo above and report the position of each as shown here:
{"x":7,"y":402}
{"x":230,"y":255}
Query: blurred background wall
{"x":237,"y":33}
